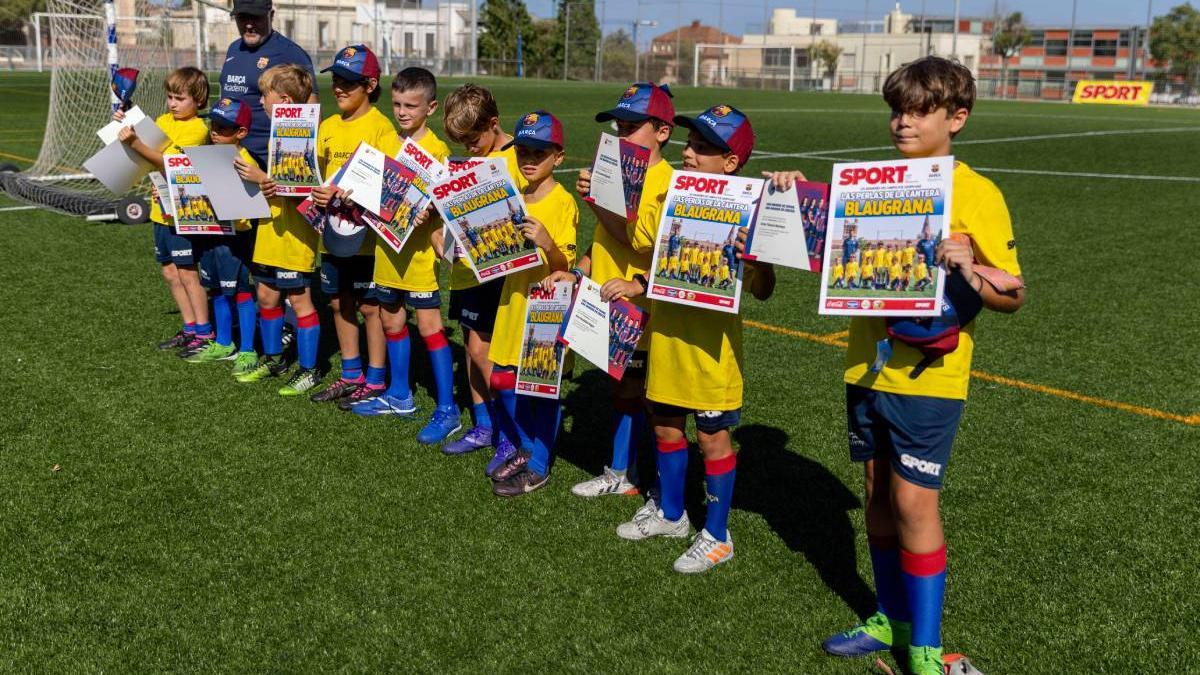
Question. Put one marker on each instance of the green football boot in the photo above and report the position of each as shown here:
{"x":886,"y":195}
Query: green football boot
{"x":877,"y":634}
{"x":266,"y":366}
{"x":925,"y":661}
{"x":211,"y":353}
{"x":244,"y":363}
{"x":301,"y":382}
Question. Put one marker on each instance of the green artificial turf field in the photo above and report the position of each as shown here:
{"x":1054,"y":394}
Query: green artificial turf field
{"x":157,"y":515}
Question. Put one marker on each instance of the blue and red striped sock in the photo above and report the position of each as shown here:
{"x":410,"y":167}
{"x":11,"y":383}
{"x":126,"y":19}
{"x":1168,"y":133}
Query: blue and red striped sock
{"x":924,"y":576}
{"x":376,"y":376}
{"x":223,"y":314}
{"x":672,"y":475}
{"x":189,"y":328}
{"x":204,"y":331}
{"x":272,"y":330}
{"x":889,"y":588}
{"x":398,"y":351}
{"x":719,"y":475}
{"x":247,"y":312}
{"x":628,"y":422}
{"x":481,"y":412}
{"x":308,"y":338}
{"x":443,"y":368}
{"x":352,"y":368}
{"x":504,"y":406}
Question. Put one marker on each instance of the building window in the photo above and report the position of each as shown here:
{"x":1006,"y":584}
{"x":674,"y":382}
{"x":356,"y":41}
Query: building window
{"x":1083,"y":38}
{"x":323,"y":34}
{"x":1056,"y":47}
{"x":777,"y":57}
{"x":408,"y":44}
{"x":289,"y":29}
{"x":816,"y":28}
{"x":968,"y":61}
{"x":848,"y":62}
{"x":1105,"y":48}
{"x":1037,"y":38}
{"x":429,"y":46}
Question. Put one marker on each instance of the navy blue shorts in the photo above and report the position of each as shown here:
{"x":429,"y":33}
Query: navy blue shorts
{"x":223,"y":264}
{"x":170,"y":247}
{"x":708,"y":421}
{"x":915,"y":433}
{"x":475,"y":308}
{"x":387,"y":295}
{"x":280,"y":278}
{"x":348,"y":275}
{"x":636,"y":366}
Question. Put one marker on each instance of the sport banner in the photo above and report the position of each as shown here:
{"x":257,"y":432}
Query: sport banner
{"x":886,"y":220}
{"x":618,"y":174}
{"x":292,"y":149}
{"x":540,"y":370}
{"x":193,"y":211}
{"x":1113,"y":92}
{"x":694,"y":262}
{"x":482,"y":209}
{"x":604,"y":333}
{"x":790,"y":227}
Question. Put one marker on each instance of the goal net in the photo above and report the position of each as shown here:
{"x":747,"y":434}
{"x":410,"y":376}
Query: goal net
{"x":83,"y":42}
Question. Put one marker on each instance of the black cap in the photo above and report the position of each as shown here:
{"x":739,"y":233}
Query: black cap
{"x":251,"y":7}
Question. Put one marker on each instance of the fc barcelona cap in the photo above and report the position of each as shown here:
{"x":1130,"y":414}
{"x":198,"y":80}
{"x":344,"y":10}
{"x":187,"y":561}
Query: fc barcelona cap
{"x":251,"y":7}
{"x":642,"y":101}
{"x":231,"y":112}
{"x":124,"y":82}
{"x":355,"y":62}
{"x":538,"y":129}
{"x":725,"y":127}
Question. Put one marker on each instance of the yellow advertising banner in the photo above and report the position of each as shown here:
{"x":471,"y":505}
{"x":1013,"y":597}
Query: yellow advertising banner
{"x":1113,"y":92}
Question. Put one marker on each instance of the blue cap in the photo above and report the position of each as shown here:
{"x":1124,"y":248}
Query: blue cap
{"x":231,"y":112}
{"x":642,"y":101}
{"x":355,"y":62}
{"x":538,"y":129}
{"x":725,"y":127}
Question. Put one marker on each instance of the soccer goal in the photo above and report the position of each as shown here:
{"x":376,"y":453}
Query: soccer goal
{"x":81,"y":43}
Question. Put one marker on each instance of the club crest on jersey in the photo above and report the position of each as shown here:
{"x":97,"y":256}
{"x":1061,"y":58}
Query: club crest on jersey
{"x":721,"y":110}
{"x":630,"y":92}
{"x":530,"y":119}
{"x":262,"y":62}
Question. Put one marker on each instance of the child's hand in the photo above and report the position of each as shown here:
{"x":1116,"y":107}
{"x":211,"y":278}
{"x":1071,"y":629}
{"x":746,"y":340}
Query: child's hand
{"x":533,"y":230}
{"x":438,"y":239}
{"x":323,"y":194}
{"x":118,"y":115}
{"x":584,"y":184}
{"x":249,"y":171}
{"x":739,"y":244}
{"x":783,"y":180}
{"x":127,"y":135}
{"x":423,"y":217}
{"x":269,"y":188}
{"x":555,"y":277}
{"x":620,"y":288}
{"x":955,"y":254}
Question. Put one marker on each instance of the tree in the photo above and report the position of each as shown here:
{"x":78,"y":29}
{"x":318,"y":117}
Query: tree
{"x":580,"y":45}
{"x":500,"y":22}
{"x":1010,"y":39}
{"x":618,"y":54}
{"x":827,"y":54}
{"x":1175,"y":40}
{"x":14,"y":17}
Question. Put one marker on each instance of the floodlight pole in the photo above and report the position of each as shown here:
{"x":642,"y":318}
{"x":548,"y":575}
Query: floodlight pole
{"x":1146,"y":40}
{"x":1070,"y":48}
{"x":567,"y":39}
{"x":954,"y":31}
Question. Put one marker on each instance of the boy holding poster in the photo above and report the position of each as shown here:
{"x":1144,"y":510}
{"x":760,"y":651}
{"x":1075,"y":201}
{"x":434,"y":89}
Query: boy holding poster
{"x":696,"y":361}
{"x":644,"y":115}
{"x":409,"y":276}
{"x":348,"y":248}
{"x":472,"y":120}
{"x":186,"y":90}
{"x":292,"y":150}
{"x":902,"y":427}
{"x":531,"y":423}
{"x":285,"y":253}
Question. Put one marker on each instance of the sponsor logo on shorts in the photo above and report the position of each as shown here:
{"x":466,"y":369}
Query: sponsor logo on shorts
{"x":473,"y":316}
{"x":709,"y":414}
{"x":285,"y":274}
{"x":229,"y":284}
{"x":926,"y":467}
{"x":363,"y":285}
{"x":181,"y":252}
{"x":421,"y":295}
{"x":857,"y":441}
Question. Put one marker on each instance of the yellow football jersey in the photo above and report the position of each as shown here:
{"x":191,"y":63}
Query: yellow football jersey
{"x":613,"y":260}
{"x":461,"y":275}
{"x":978,"y":211}
{"x":182,"y":134}
{"x":838,"y":271}
{"x":414,"y":268}
{"x":560,"y":214}
{"x":851,"y":269}
{"x":337,"y":139}
{"x":907,"y":255}
{"x":695,"y":358}
{"x":287,"y":240}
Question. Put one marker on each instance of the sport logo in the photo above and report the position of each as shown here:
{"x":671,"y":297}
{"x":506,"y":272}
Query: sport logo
{"x":872,"y":175}
{"x":349,"y":52}
{"x":721,"y":110}
{"x":931,"y":468}
{"x":698,"y":184}
{"x":455,"y":185}
{"x":530,"y":119}
{"x":630,"y":92}
{"x":224,"y":103}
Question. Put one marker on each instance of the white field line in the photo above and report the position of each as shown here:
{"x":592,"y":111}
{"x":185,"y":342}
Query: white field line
{"x":1006,"y":139}
{"x":7,"y":209}
{"x":1040,"y":116}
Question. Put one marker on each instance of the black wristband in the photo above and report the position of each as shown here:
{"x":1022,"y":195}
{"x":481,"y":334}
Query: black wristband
{"x":641,"y":279}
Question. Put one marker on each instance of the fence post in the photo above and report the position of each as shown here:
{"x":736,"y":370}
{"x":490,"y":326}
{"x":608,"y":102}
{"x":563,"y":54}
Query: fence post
{"x":696,"y":65}
{"x":792,"y":68}
{"x":37,"y":38}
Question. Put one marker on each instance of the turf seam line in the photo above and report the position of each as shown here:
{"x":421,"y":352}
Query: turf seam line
{"x":1145,"y":411}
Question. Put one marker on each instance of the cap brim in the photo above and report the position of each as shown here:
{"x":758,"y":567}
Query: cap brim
{"x":250,"y":12}
{"x":621,"y":114}
{"x":222,"y":122}
{"x":704,"y":130}
{"x":530,"y":142}
{"x":345,"y":73}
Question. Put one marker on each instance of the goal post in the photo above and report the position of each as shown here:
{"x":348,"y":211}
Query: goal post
{"x":85,"y":42}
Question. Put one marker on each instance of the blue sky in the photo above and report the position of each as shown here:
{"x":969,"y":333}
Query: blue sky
{"x":741,"y":16}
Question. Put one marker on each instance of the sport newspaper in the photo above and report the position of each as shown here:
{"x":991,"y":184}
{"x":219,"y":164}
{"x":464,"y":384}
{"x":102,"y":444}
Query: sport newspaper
{"x":426,"y":170}
{"x":540,"y":370}
{"x":190,"y":204}
{"x":617,"y":176}
{"x":292,"y":148}
{"x":695,"y":263}
{"x":789,"y":229}
{"x":483,"y":210}
{"x":889,"y":214}
{"x":604,"y":333}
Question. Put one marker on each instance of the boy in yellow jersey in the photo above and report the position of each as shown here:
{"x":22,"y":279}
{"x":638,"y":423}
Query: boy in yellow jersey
{"x":472,"y":120}
{"x":644,"y":115}
{"x":902,"y":422}
{"x":187,"y":93}
{"x":410,"y":275}
{"x":551,"y":224}
{"x":225,"y":264}
{"x":852,"y":273}
{"x":920,"y":274}
{"x":285,"y":250}
{"x":838,"y":275}
{"x":909,"y":254}
{"x":895,"y":275}
{"x":348,"y":250}
{"x":696,"y":367}
{"x":867,"y":273}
